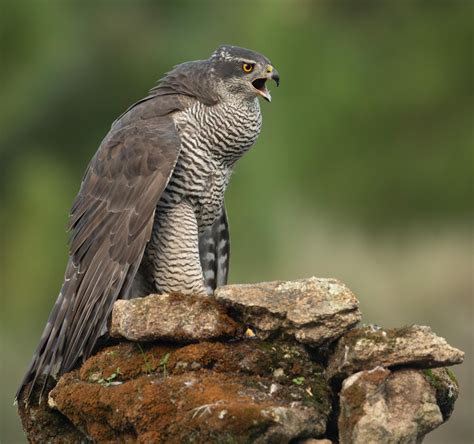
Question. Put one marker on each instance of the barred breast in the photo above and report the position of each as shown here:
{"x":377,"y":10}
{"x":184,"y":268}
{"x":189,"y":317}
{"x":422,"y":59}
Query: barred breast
{"x":212,"y":140}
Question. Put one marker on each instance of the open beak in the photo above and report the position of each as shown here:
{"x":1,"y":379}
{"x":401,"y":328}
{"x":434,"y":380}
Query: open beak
{"x":260,"y":83}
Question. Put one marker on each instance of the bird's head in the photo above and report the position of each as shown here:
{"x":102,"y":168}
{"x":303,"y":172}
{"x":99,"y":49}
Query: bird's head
{"x":243,"y":71}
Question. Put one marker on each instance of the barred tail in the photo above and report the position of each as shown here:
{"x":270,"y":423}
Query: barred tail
{"x":77,"y":320}
{"x":48,"y":355}
{"x":214,"y":252}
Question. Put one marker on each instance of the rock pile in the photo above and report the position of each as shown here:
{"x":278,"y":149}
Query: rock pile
{"x":272,"y":362}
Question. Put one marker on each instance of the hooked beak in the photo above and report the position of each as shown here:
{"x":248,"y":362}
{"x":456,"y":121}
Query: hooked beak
{"x":260,"y":83}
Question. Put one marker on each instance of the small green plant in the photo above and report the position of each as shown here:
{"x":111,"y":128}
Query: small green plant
{"x":298,"y":380}
{"x":163,"y":362}
{"x":149,"y":364}
{"x":106,"y":382}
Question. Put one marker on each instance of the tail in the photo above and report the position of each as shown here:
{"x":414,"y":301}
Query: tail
{"x":78,"y":319}
{"x":214,"y":252}
{"x":48,"y":356}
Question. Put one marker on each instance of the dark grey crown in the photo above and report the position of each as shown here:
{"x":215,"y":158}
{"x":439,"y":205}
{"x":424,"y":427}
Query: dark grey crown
{"x":236,"y":53}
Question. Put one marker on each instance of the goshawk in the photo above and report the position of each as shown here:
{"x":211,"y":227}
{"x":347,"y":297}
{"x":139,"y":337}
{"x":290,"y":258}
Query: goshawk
{"x":150,"y":216}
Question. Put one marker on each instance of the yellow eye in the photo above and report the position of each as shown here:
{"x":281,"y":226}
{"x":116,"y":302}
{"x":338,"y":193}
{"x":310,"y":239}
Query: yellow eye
{"x":247,"y":67}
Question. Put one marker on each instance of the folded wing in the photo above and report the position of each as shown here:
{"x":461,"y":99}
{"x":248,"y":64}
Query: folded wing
{"x":110,"y":223}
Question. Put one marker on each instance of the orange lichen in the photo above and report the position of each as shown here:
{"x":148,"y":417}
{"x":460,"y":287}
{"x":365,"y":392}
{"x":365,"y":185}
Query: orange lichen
{"x":205,"y":390}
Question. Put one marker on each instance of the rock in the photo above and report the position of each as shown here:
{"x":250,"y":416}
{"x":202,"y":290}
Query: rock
{"x":314,"y":311}
{"x":380,"y":406}
{"x":43,"y":425}
{"x":366,"y":347}
{"x":174,"y":318}
{"x":291,"y":347}
{"x":206,"y":392}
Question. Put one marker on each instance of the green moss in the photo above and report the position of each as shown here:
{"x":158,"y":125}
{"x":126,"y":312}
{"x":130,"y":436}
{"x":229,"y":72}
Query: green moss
{"x":266,"y":346}
{"x":298,"y":380}
{"x":434,"y":381}
{"x":446,"y":389}
{"x":452,"y":376}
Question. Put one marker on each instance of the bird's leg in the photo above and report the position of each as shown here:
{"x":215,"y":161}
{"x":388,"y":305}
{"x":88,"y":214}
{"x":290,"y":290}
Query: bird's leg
{"x":173,"y":251}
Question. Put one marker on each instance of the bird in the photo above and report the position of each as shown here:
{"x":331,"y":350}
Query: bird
{"x":150,"y":214}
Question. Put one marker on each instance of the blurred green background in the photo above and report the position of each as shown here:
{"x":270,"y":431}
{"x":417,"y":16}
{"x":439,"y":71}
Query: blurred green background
{"x":362,"y":171}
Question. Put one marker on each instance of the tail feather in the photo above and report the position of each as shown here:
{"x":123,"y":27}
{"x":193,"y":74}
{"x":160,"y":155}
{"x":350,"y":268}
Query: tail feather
{"x":214,"y":252}
{"x":75,"y":324}
{"x":44,"y":362}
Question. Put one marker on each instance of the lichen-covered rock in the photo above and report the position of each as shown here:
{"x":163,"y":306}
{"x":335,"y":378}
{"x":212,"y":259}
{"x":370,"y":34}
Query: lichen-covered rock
{"x":380,"y":406}
{"x":175,"y":318}
{"x":267,"y":385}
{"x":446,"y":387}
{"x":366,"y":347}
{"x":200,"y":393}
{"x":315,"y":311}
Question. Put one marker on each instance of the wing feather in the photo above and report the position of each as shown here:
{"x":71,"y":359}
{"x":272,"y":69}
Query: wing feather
{"x":110,"y":222}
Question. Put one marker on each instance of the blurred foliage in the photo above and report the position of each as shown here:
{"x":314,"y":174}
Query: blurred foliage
{"x":371,"y":127}
{"x":372,"y":120}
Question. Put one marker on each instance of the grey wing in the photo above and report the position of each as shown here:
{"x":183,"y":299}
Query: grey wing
{"x":214,"y":252}
{"x":110,"y":222}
